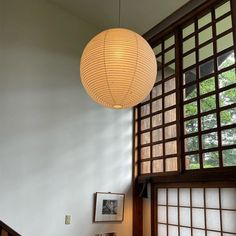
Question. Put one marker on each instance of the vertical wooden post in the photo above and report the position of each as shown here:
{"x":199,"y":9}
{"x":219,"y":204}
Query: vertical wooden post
{"x":137,"y":201}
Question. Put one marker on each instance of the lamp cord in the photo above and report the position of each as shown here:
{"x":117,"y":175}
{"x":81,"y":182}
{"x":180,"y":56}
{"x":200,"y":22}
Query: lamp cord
{"x":119,"y":13}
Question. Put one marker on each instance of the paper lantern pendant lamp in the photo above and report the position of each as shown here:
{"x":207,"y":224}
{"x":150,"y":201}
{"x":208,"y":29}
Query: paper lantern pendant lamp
{"x":118,"y":68}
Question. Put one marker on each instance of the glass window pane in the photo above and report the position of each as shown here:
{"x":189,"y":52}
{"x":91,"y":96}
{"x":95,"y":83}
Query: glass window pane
{"x":206,"y":52}
{"x":170,"y":85}
{"x":185,"y":217}
{"x":170,"y":42}
{"x":145,"y":152}
{"x":228,"y":220}
{"x":170,"y":100}
{"x":209,"y":122}
{"x":159,"y":75}
{"x":223,"y":9}
{"x":157,"y":150}
{"x":170,"y":116}
{"x":206,"y":68}
{"x":171,"y":164}
{"x":173,"y":215}
{"x":213,"y":219}
{"x":157,"y":166}
{"x":161,"y":196}
{"x":228,"y":198}
{"x":162,"y":230}
{"x":146,"y":99}
{"x":173,"y":196}
{"x":211,"y":160}
{"x":184,"y":197}
{"x":157,"y":105}
{"x":225,"y":60}
{"x":145,"y":138}
{"x":208,"y":103}
{"x":229,"y":158}
{"x":145,"y":110}
{"x":224,"y":25}
{"x":189,"y":44}
{"x":173,"y":230}
{"x":171,"y":147}
{"x":212,"y":198}
{"x":157,"y":91}
{"x":209,"y":140}
{"x":185,"y":231}
{"x":191,"y":126}
{"x":157,"y":135}
{"x":198,"y":218}
{"x":159,"y":60}
{"x":145,"y":124}
{"x":207,"y":86}
{"x":205,"y":35}
{"x":190,"y":76}
{"x":157,"y":120}
{"x":212,"y":233}
{"x":157,"y":49}
{"x":190,"y":92}
{"x":170,"y":132}
{"x":162,"y":214}
{"x":192,"y":162}
{"x":191,"y":144}
{"x":197,"y":197}
{"x":225,"y":42}
{"x":228,"y":137}
{"x":170,"y":55}
{"x":227,"y":78}
{"x":228,"y":97}
{"x":189,"y":60}
{"x":190,"y":109}
{"x":198,"y":232}
{"x":145,"y":167}
{"x":204,"y":20}
{"x":169,"y":71}
{"x":228,"y":117}
{"x":188,"y":30}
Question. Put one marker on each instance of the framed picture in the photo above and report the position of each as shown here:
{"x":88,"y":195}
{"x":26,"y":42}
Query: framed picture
{"x":109,"y":207}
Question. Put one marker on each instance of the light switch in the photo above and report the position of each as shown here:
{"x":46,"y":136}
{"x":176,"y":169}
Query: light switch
{"x":67,"y":219}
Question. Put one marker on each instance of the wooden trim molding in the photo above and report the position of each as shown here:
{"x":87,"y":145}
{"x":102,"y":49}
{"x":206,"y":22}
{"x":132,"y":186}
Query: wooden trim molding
{"x":8,"y":229}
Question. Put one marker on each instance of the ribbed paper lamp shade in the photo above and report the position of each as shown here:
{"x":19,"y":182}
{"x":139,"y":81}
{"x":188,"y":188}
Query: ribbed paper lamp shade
{"x":118,"y":68}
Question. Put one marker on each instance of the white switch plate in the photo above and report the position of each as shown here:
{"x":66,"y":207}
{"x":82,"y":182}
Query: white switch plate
{"x":67,"y":219}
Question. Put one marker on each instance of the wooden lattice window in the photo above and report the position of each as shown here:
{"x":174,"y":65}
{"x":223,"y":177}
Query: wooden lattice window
{"x":188,"y":122}
{"x":157,"y":115}
{"x":209,"y":90}
{"x":182,"y":210}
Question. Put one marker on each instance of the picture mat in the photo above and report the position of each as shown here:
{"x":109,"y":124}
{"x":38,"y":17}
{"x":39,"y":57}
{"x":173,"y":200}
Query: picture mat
{"x":99,"y":207}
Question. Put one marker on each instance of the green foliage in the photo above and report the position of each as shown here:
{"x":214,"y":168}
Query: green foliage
{"x":194,"y":166}
{"x":207,"y":86}
{"x":190,"y":109}
{"x":227,"y":117}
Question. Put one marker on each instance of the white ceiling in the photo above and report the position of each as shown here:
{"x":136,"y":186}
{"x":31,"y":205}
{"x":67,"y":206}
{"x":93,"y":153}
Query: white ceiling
{"x":137,"y":15}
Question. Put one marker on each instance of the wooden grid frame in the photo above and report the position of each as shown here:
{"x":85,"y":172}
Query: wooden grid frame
{"x":162,"y":80}
{"x":180,"y":86}
{"x":215,"y":74}
{"x":203,"y":178}
{"x":205,"y":187}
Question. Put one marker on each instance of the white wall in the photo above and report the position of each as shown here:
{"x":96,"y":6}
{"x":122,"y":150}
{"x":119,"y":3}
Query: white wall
{"x":57,"y":147}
